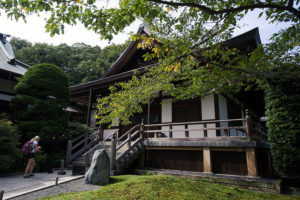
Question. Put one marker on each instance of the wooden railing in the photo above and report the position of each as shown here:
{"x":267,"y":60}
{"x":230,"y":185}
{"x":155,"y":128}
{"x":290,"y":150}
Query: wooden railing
{"x":129,"y":140}
{"x":101,"y":144}
{"x":248,"y":128}
{"x":79,"y":145}
{"x":205,"y":124}
{"x":120,"y":146}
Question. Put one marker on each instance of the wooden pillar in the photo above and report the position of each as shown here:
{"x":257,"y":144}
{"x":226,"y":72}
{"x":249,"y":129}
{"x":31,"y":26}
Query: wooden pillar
{"x":113,"y":152}
{"x":129,"y":140}
{"x":207,"y":165}
{"x":89,"y":108}
{"x":251,"y":162}
{"x":142,"y":129}
{"x":187,"y":134}
{"x":204,"y":131}
{"x":100,"y":133}
{"x":248,"y":124}
{"x":170,"y":131}
{"x":69,"y":152}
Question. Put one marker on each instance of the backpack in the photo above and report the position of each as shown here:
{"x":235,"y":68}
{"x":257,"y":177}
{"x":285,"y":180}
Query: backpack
{"x":27,"y":147}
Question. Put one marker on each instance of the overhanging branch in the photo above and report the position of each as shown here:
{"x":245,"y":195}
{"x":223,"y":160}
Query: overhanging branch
{"x":210,"y":11}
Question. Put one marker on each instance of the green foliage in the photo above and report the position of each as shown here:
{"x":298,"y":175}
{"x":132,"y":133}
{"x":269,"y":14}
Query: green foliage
{"x":81,"y":62}
{"x":40,"y":158}
{"x":149,"y":174}
{"x":55,"y":158}
{"x":9,"y":152}
{"x":128,"y":187}
{"x":75,"y":129}
{"x":42,"y":96}
{"x":186,"y":40}
{"x":18,"y":44}
{"x":282,"y":109}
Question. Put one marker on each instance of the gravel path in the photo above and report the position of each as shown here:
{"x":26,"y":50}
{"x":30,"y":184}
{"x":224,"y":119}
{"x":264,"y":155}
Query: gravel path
{"x":77,"y":185}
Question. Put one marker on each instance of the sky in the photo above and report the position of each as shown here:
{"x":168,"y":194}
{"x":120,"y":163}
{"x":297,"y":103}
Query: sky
{"x":34,"y":30}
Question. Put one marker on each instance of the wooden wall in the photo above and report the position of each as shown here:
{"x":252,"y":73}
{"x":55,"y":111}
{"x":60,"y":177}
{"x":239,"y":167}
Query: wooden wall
{"x":223,"y":162}
{"x":264,"y":164}
{"x":187,"y":160}
{"x":228,"y":162}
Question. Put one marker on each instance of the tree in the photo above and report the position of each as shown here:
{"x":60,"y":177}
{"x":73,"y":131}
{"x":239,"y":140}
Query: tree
{"x":42,"y":94}
{"x":18,"y":43}
{"x":81,"y":62}
{"x":187,"y":40}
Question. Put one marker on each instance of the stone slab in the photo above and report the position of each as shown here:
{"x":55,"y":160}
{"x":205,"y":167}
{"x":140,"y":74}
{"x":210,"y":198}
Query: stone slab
{"x":251,"y":183}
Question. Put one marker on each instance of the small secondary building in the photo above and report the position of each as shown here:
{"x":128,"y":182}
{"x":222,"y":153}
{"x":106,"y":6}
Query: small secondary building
{"x":211,"y":134}
{"x":10,"y":70}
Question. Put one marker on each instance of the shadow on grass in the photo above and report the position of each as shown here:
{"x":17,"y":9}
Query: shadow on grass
{"x":113,"y":180}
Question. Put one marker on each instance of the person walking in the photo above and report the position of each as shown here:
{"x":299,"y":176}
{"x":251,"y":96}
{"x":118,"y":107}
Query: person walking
{"x":30,"y":156}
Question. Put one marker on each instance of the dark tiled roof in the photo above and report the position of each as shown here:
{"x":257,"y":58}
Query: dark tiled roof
{"x":248,"y":39}
{"x":8,"y":61}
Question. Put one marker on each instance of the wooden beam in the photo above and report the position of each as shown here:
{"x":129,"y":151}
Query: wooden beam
{"x":89,"y":108}
{"x":251,"y":162}
{"x":207,"y":165}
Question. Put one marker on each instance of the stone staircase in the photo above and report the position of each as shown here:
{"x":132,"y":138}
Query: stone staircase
{"x":122,"y":152}
{"x":130,"y":156}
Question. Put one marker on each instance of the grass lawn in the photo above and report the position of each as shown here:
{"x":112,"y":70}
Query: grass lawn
{"x":166,"y":187}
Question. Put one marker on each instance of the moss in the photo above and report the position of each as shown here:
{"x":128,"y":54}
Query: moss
{"x":165,"y":187}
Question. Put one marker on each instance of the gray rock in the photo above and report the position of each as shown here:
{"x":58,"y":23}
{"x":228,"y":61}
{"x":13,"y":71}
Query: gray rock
{"x":99,"y":171}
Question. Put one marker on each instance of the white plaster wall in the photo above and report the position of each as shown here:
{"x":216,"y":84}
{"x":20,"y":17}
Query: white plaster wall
{"x":208,"y":112}
{"x":93,"y":119}
{"x":166,"y":110}
{"x":223,"y":114}
{"x":166,"y":114}
{"x":241,"y":133}
{"x":115,"y":122}
{"x":108,"y":132}
{"x":208,"y":107}
{"x":178,"y":134}
{"x":196,"y":134}
{"x":211,"y":133}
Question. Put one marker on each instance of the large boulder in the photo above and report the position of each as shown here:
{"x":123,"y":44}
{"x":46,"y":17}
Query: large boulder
{"x":99,"y":171}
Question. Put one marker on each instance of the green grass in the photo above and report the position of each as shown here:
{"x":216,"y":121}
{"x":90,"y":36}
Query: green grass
{"x":166,"y":187}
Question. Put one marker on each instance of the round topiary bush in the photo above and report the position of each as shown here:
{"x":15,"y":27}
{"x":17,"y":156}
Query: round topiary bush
{"x":42,"y":95}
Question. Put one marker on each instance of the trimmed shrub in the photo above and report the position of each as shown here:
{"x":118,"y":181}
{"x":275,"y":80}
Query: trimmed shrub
{"x":283,"y":111}
{"x":76,"y":129}
{"x":42,"y":94}
{"x":9,"y":152}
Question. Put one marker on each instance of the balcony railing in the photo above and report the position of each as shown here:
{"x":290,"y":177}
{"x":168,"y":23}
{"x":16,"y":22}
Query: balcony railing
{"x":244,"y":127}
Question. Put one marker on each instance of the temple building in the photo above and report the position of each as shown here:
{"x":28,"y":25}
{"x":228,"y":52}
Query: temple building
{"x":217,"y":133}
{"x":10,"y":70}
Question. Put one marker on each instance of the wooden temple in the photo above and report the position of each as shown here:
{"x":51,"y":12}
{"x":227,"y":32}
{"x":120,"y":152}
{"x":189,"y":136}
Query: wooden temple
{"x":217,"y":133}
{"x":10,"y":70}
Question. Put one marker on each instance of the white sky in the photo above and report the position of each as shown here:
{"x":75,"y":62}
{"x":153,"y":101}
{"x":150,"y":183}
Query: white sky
{"x":34,"y":30}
